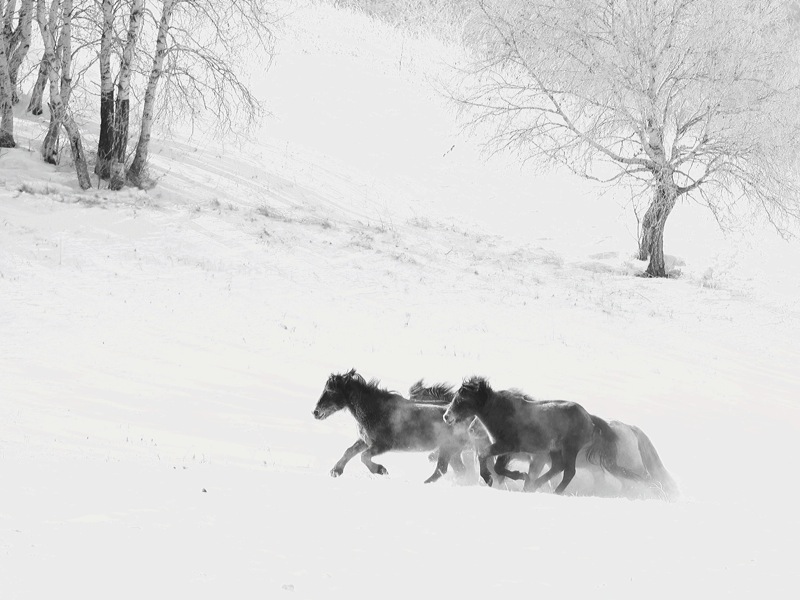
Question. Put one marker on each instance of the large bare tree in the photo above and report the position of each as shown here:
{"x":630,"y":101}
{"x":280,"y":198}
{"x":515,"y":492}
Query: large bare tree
{"x":675,"y":97}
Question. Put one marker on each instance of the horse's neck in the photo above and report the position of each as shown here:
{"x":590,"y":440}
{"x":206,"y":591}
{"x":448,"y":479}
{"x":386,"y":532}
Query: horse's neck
{"x":490,"y":414}
{"x":364,"y":406}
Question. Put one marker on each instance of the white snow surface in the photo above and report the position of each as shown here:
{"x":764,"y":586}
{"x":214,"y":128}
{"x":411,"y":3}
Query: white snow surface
{"x":162,"y":352}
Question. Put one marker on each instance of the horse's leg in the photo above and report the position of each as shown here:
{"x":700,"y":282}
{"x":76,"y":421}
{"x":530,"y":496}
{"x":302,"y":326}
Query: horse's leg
{"x":441,"y":465}
{"x":495,"y":449}
{"x":486,"y":474}
{"x":457,"y":462}
{"x":570,"y":455}
{"x":359,"y":446}
{"x":556,"y":466}
{"x":501,"y":468}
{"x":375,"y":468}
{"x":535,"y":467}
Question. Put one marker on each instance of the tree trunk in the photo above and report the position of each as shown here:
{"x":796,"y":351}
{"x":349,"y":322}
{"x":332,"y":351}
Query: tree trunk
{"x":58,"y":108}
{"x":35,"y":102}
{"x":136,"y":172}
{"x":105,"y":144}
{"x":7,"y":14}
{"x":20,"y":44}
{"x":651,"y":243}
{"x":6,"y":93}
{"x":49,"y":149}
{"x":63,"y":63}
{"x":120,"y":139}
{"x":122,"y":108}
{"x":6,"y":104}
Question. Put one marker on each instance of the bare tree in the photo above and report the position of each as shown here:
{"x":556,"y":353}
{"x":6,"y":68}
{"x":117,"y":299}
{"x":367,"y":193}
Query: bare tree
{"x":60,"y":86}
{"x":137,"y":169}
{"x":63,"y":66}
{"x":199,"y":46}
{"x":122,"y":105}
{"x":37,"y":93}
{"x":6,"y":87}
{"x":19,"y":41}
{"x":679,"y":97}
{"x":105,"y":144}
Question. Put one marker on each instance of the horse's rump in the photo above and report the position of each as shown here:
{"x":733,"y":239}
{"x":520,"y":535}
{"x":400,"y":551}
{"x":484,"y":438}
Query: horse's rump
{"x":652,"y":462}
{"x":603,"y":450}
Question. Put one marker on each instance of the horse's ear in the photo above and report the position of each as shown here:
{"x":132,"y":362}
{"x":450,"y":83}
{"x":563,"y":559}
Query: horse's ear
{"x":351,"y":372}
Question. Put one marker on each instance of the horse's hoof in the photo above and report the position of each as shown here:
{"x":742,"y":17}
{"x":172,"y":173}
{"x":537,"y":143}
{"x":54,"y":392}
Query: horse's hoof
{"x":381,"y":470}
{"x":335,"y":472}
{"x":488,"y":480}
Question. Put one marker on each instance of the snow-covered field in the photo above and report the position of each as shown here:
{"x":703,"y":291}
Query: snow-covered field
{"x":161,"y":354}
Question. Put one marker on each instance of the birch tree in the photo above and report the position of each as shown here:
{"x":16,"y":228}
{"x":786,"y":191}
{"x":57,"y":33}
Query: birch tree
{"x":105,"y":143}
{"x":196,"y":67}
{"x":7,"y":10}
{"x":137,"y":170}
{"x":58,"y":107}
{"x":677,"y":98}
{"x":37,"y":93}
{"x":6,"y":104}
{"x":122,"y":104}
{"x":19,"y":42}
{"x":63,"y":66}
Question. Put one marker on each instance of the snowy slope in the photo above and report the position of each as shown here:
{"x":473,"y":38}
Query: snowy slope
{"x":162,"y":352}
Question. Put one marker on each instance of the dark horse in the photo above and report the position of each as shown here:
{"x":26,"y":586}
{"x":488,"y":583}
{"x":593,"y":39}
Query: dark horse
{"x":635,"y":452}
{"x":519,"y":424}
{"x":387,"y":421}
{"x":442,"y":393}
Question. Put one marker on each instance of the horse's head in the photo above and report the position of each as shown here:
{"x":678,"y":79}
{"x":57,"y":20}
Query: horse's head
{"x":334,"y":396}
{"x":469,"y":400}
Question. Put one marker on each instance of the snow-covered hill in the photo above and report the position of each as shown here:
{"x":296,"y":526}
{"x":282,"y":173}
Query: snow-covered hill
{"x":161,"y":354}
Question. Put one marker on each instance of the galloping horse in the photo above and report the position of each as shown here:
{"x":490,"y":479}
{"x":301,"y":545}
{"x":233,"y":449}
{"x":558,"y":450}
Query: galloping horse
{"x":635,"y":452}
{"x":387,"y":421}
{"x":519,"y":424}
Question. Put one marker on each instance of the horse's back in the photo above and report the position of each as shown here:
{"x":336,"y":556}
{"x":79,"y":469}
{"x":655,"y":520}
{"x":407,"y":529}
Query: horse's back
{"x":542,"y":425}
{"x":564,"y":417}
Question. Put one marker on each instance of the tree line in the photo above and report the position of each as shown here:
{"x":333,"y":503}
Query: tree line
{"x":675,"y":99}
{"x":169,"y":57}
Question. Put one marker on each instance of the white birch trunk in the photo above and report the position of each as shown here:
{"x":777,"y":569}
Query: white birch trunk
{"x":49,"y":147}
{"x":6,"y":103}
{"x":35,"y":102}
{"x":136,"y":171}
{"x":7,"y":12}
{"x":105,"y":144}
{"x":57,"y":106}
{"x":122,"y":107}
{"x":21,"y":44}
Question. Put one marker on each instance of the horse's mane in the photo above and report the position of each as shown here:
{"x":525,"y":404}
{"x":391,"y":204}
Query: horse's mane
{"x":372,"y":387}
{"x":474,"y":384}
{"x":439,"y":393}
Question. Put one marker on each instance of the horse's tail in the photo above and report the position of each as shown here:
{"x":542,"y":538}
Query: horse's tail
{"x":652,"y":462}
{"x":603,"y":450}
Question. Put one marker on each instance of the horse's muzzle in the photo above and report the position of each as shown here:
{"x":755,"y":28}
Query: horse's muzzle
{"x":448,"y":418}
